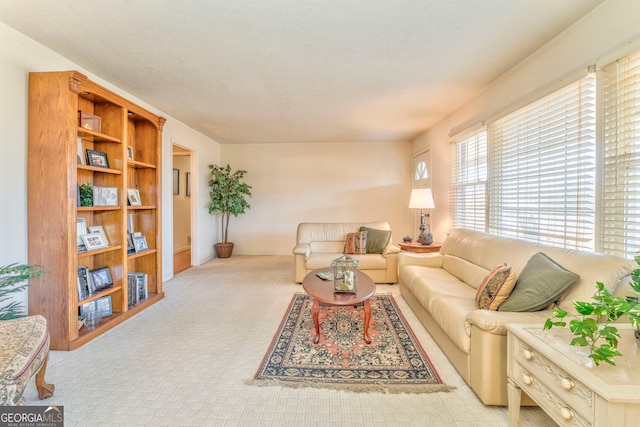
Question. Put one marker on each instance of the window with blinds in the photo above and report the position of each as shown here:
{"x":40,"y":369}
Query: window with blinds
{"x":542,"y":170}
{"x":620,"y":220}
{"x":468,"y":181}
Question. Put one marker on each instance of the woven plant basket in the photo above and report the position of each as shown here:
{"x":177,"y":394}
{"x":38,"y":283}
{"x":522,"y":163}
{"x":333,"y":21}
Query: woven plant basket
{"x":223,"y":250}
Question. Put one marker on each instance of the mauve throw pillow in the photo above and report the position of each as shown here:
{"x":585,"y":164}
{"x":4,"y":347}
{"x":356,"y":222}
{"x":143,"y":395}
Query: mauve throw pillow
{"x":356,"y":243}
{"x":495,"y":288}
{"x":541,"y":282}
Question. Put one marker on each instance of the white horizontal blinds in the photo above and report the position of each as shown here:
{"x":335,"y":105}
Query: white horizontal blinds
{"x":542,"y":170}
{"x":468,"y":182}
{"x":620,"y":221}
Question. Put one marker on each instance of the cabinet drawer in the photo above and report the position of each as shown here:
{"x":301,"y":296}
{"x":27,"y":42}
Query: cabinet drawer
{"x":549,"y":375}
{"x":558,"y":408}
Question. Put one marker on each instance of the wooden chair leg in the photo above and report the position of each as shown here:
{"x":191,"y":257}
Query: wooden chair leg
{"x":45,"y":390}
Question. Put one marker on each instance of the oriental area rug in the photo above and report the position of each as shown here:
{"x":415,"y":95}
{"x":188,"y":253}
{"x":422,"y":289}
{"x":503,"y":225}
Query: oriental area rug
{"x":394,"y":362}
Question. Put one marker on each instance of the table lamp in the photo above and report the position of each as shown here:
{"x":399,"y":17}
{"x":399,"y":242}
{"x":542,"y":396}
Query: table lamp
{"x":421,"y":198}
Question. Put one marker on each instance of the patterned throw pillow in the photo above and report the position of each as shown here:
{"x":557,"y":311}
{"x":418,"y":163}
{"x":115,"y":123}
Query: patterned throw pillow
{"x":496,"y":287}
{"x":356,"y":243}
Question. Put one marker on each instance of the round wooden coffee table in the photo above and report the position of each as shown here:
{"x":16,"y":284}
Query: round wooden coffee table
{"x":322,"y":292}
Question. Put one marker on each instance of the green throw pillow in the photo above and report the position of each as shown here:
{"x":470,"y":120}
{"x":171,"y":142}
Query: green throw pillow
{"x":377,"y":240}
{"x":541,"y":282}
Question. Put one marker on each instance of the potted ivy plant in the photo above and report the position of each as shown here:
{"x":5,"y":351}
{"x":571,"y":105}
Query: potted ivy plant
{"x":228,"y":195}
{"x":13,"y":279}
{"x":591,"y":326}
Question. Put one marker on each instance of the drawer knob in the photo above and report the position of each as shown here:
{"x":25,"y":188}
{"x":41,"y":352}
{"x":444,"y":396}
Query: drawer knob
{"x":566,"y":413}
{"x":567,"y":384}
{"x":528,"y":354}
{"x":527,"y":379}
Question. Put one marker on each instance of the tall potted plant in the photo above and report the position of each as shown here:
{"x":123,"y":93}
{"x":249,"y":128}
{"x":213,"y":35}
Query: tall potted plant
{"x":13,"y":279}
{"x":228,"y":197}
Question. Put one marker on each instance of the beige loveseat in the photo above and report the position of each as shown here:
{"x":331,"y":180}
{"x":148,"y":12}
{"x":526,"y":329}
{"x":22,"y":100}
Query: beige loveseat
{"x":319,"y":243}
{"x":441,"y":290}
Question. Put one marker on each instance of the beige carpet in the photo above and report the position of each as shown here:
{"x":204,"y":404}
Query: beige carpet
{"x":184,"y":361}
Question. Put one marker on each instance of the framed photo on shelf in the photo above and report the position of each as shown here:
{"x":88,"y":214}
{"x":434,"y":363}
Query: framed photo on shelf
{"x":133,"y":195}
{"x":176,"y":182}
{"x":97,"y":229}
{"x":105,"y":196}
{"x":140,"y":243}
{"x":89,"y":121}
{"x":101,"y":278}
{"x":130,"y":153}
{"x":97,"y":158}
{"x":103,"y":304}
{"x":93,"y":242}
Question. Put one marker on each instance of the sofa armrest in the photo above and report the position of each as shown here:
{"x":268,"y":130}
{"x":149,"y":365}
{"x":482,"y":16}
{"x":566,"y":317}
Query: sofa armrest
{"x":302,"y":249}
{"x":433,"y":259}
{"x":391,"y":249}
{"x":495,"y":322}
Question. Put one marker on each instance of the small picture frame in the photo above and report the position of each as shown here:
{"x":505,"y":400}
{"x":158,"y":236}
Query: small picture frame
{"x":188,"y":186}
{"x":101,"y":278}
{"x":93,"y":241}
{"x":105,"y":196}
{"x":133,"y":196}
{"x":103,"y":304}
{"x":140,"y":243}
{"x":89,"y":121}
{"x":176,"y":182}
{"x":130,"y":153}
{"x":97,"y":229}
{"x":97,"y":158}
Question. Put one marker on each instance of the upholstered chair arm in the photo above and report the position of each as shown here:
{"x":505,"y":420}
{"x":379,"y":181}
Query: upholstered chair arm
{"x":391,"y":249}
{"x":302,"y":249}
{"x":495,"y":322}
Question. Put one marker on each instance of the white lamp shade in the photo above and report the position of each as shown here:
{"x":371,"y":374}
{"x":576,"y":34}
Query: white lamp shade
{"x":421,"y":198}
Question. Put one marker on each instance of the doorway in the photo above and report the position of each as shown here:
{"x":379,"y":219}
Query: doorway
{"x":182,"y":187}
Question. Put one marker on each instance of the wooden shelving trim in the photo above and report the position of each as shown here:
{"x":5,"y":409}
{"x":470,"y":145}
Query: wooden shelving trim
{"x":140,"y":165}
{"x":100,"y":294}
{"x":97,"y":136}
{"x":141,"y":254}
{"x":141,"y":208}
{"x":86,"y":334}
{"x":100,"y":169}
{"x":99,"y":251}
{"x":98,"y":208}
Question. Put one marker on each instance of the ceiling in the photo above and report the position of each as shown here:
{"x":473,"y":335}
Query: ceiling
{"x":298,"y":70}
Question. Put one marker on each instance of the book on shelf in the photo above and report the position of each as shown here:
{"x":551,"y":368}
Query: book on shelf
{"x":81,"y":229}
{"x":137,"y":287}
{"x":86,"y":287}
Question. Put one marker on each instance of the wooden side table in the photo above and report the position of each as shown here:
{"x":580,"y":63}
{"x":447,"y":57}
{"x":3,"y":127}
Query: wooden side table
{"x":557,"y":377}
{"x":419,"y":248}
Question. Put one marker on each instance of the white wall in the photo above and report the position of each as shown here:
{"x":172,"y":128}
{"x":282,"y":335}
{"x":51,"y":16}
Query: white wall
{"x":324,"y":182}
{"x":612,"y":24}
{"x":20,"y":55}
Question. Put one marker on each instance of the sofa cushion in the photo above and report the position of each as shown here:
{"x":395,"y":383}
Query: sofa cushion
{"x":496,"y":287}
{"x":541,"y":282}
{"x":365,"y":262}
{"x":470,"y":273}
{"x":377,"y":240}
{"x":356,"y":243}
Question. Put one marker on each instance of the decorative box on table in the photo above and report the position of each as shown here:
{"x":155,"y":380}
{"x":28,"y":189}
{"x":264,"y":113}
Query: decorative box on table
{"x":345,"y":271}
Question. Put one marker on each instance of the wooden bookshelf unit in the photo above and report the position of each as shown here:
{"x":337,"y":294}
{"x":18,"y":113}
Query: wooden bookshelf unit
{"x":57,"y":166}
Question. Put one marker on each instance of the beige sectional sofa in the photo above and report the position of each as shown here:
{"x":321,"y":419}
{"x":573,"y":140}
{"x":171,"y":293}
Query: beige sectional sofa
{"x":441,"y":290}
{"x":319,"y":243}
